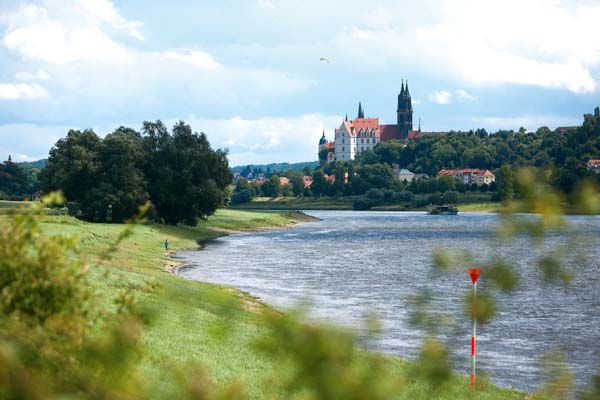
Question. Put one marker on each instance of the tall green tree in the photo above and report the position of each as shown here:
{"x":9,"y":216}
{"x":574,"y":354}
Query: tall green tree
{"x":504,"y":180}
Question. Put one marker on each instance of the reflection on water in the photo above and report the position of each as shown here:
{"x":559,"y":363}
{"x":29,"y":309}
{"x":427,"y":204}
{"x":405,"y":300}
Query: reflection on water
{"x":352,"y":263}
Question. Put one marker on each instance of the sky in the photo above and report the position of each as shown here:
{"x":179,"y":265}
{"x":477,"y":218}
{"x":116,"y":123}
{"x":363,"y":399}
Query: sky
{"x":249,"y":75}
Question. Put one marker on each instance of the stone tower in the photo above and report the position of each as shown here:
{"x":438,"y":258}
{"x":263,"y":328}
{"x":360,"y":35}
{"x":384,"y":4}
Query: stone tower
{"x":404,"y":113}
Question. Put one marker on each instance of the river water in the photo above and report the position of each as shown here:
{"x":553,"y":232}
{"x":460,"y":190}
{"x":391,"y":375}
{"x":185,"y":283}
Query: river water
{"x":351,"y":264}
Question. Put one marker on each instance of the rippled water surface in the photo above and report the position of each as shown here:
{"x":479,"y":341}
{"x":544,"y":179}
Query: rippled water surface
{"x":352,"y":263}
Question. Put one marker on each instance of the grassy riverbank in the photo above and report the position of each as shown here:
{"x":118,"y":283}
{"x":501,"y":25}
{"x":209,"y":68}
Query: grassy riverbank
{"x":179,"y":334}
{"x":470,"y":203}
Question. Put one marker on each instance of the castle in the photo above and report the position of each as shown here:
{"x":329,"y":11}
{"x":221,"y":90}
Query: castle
{"x":361,"y":134}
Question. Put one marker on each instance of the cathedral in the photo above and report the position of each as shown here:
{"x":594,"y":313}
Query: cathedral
{"x":361,"y":134}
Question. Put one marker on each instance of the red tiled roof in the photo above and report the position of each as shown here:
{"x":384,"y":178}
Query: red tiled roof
{"x":388,"y":132}
{"x":283,"y":180}
{"x":414,"y":134}
{"x":365,"y":123}
{"x":594,"y":163}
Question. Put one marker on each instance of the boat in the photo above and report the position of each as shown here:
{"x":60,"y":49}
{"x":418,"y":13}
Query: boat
{"x":446,"y":209}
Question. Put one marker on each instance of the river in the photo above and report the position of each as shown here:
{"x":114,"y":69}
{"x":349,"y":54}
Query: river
{"x":352,"y":263}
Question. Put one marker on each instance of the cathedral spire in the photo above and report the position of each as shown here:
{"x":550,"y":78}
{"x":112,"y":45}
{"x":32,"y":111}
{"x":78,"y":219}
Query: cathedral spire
{"x":346,"y":117}
{"x":402,"y":90}
{"x":407,"y":92}
{"x":361,"y":112}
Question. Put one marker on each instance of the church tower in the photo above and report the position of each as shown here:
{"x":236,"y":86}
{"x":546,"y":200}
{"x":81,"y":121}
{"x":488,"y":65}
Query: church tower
{"x":404,"y":113}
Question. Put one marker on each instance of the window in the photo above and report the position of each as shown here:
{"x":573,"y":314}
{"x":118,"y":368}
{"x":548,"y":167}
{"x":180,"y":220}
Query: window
{"x":342,"y":140}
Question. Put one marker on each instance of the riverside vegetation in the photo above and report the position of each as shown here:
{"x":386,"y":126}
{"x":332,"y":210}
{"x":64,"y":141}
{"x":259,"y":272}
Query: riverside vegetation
{"x":89,"y":311}
{"x":561,"y":155}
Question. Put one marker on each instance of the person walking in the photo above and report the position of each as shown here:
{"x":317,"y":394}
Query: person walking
{"x":166,"y":244}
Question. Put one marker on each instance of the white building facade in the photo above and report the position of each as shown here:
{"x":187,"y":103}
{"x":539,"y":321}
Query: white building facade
{"x":356,"y":136}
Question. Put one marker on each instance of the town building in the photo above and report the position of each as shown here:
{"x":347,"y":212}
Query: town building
{"x":469,"y":175}
{"x":362,"y":134}
{"x":402,"y":174}
{"x":594,"y":166}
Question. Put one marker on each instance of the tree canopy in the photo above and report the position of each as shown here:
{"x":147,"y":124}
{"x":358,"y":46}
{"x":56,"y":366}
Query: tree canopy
{"x":108,"y":179}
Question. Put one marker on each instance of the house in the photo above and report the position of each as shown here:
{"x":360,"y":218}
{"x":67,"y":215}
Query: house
{"x":283,"y":181}
{"x":469,"y":175}
{"x":402,"y":174}
{"x":594,"y":166}
{"x":260,"y":178}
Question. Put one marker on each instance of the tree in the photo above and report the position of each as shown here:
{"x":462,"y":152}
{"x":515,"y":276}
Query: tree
{"x":243,"y":192}
{"x":446,"y":183}
{"x":504,"y":179}
{"x":14,"y":181}
{"x":297,"y":184}
{"x":108,"y":179}
{"x":72,"y":167}
{"x":320,"y":186}
{"x":186,"y":177}
{"x":272,"y":187}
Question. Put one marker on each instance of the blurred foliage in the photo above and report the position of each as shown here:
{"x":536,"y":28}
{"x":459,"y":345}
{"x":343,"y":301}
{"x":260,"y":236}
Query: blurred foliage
{"x":532,"y":219}
{"x":321,"y":362}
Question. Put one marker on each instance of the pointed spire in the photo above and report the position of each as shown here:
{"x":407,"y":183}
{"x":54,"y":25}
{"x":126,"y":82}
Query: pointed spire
{"x":346,"y":117}
{"x":361,"y":113}
{"x":323,"y":132}
{"x":402,"y":90}
{"x":9,"y":158}
{"x":407,"y":92}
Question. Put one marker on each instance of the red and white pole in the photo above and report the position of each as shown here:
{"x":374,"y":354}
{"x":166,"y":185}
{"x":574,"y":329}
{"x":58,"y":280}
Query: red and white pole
{"x":474,"y":274}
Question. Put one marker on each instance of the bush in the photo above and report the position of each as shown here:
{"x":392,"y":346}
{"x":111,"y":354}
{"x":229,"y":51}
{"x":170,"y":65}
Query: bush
{"x":38,"y":278}
{"x":241,"y":196}
{"x":362,"y":203}
{"x":451,"y":197}
{"x":404,"y":196}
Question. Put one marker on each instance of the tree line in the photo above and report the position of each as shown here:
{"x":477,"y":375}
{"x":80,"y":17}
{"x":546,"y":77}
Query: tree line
{"x":106,"y":180}
{"x":17,"y":181}
{"x":561,"y":155}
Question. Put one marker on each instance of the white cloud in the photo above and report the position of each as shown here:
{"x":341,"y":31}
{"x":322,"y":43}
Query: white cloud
{"x":52,"y":43}
{"x":39,"y":75}
{"x":266,"y":4}
{"x":441,"y":97}
{"x":463,"y":95}
{"x":106,"y":12}
{"x":477,"y":44}
{"x":268,"y":139}
{"x":197,"y":58}
{"x":21,"y":91}
{"x":69,"y":33}
{"x":362,"y":33}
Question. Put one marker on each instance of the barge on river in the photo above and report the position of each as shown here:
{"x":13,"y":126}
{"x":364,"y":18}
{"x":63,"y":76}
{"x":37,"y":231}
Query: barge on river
{"x":446,"y":209}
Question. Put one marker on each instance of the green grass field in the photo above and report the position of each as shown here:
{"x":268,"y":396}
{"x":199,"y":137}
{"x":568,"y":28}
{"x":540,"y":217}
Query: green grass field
{"x":179,"y":335}
{"x":478,"y":203}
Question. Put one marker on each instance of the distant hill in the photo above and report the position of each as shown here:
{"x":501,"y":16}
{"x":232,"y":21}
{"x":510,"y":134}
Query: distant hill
{"x":39,"y":164}
{"x":277,"y":167}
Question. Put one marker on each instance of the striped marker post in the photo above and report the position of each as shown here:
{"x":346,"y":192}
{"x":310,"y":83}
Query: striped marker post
{"x":474,"y":274}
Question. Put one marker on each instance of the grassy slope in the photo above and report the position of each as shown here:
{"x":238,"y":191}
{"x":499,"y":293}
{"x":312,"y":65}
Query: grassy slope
{"x":178,"y":334}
